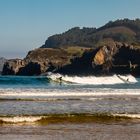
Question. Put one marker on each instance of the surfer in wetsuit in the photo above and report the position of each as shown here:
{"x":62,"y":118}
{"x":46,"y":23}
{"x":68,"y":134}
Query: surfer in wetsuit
{"x":127,"y":79}
{"x":60,"y":79}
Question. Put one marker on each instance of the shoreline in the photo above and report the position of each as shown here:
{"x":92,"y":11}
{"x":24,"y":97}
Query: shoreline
{"x":70,"y":131}
{"x":68,"y":118}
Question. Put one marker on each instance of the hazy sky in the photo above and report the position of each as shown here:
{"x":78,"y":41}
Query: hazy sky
{"x":26,"y":24}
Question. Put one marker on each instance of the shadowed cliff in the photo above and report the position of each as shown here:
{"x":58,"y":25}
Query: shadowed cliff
{"x":120,"y":59}
{"x":2,"y":61}
{"x":112,"y":48}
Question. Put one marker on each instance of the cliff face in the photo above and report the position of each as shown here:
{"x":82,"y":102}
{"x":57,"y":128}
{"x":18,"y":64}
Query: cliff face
{"x":120,"y":58}
{"x":11,"y":67}
{"x":43,"y":60}
{"x":85,"y":51}
{"x":2,"y":61}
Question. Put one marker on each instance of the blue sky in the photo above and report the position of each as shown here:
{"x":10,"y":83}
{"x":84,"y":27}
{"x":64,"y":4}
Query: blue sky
{"x":26,"y":24}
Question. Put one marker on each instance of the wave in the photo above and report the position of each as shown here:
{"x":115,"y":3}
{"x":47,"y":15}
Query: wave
{"x":51,"y":78}
{"x":23,"y":80}
{"x":66,"y":118}
{"x":94,"y":80}
{"x":12,"y":93}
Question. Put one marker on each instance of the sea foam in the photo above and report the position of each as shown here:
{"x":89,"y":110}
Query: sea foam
{"x":94,"y":80}
{"x":46,"y":118}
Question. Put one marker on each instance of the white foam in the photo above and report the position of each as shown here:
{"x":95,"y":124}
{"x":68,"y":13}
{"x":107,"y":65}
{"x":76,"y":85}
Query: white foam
{"x":93,"y":80}
{"x":133,"y":116}
{"x":19,"y":119}
{"x":31,"y":119}
{"x":68,"y":93}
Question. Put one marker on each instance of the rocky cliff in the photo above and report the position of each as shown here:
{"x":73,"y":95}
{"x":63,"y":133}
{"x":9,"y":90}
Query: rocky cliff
{"x":2,"y":61}
{"x":119,"y":58}
{"x":112,"y":48}
{"x":43,"y":60}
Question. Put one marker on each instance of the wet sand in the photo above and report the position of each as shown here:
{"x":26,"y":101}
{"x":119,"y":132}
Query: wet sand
{"x":71,"y":131}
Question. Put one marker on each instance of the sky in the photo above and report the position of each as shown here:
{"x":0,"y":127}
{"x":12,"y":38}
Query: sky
{"x":26,"y":24}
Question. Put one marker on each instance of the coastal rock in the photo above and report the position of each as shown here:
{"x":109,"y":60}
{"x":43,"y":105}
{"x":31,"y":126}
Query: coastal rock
{"x":12,"y":66}
{"x":112,"y":48}
{"x":43,"y":60}
{"x":32,"y":68}
{"x":99,"y":58}
{"x":120,"y":58}
{"x":124,"y":30}
{"x":2,"y":61}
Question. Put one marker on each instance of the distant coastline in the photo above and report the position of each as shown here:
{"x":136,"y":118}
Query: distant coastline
{"x":112,"y":48}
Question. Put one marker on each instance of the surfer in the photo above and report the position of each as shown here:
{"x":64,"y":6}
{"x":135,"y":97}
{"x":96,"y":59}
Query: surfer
{"x":124,"y":80}
{"x":60,"y":80}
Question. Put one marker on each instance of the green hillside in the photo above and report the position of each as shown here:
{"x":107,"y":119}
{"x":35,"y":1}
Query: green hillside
{"x":125,"y":31}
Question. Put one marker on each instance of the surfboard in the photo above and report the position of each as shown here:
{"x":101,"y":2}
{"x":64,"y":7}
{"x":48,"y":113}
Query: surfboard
{"x":57,"y":80}
{"x":124,"y":80}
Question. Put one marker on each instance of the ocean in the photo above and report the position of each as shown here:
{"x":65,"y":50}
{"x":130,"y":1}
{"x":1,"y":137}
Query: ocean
{"x":84,"y":107}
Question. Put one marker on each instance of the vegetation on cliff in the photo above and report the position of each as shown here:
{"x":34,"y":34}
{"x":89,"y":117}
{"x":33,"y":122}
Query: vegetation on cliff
{"x":126,"y":31}
{"x":43,"y":60}
{"x":113,"y":48}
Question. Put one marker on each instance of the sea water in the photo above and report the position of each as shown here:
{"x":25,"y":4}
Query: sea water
{"x":84,"y":102}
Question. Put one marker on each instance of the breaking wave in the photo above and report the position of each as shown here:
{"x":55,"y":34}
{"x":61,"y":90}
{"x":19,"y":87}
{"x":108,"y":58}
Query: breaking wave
{"x":66,"y":118}
{"x":94,"y":80}
{"x":54,"y":79}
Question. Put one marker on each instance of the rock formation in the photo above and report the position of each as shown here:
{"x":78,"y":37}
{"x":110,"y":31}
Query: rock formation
{"x":120,"y":58}
{"x":43,"y":60}
{"x":12,"y":66}
{"x":112,"y":48}
{"x":2,"y":61}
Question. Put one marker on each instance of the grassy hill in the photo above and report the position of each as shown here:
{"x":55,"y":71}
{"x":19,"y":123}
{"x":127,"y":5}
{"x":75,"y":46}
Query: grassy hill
{"x":125,"y":31}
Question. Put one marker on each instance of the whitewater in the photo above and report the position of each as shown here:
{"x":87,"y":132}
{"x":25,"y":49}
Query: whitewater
{"x":29,"y":99}
{"x":94,"y":80}
{"x":80,"y":107}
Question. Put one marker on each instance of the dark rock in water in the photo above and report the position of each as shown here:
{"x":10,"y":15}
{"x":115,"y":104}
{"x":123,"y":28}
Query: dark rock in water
{"x":20,"y":67}
{"x":2,"y":61}
{"x":12,"y":66}
{"x":32,"y":68}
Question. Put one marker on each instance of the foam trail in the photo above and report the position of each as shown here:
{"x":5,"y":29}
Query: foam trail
{"x":32,"y":119}
{"x":93,"y":80}
{"x":18,"y":119}
{"x":67,"y":93}
{"x":133,"y":116}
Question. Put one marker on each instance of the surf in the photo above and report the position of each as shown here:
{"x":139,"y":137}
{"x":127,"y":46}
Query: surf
{"x":54,"y":118}
{"x":93,"y":80}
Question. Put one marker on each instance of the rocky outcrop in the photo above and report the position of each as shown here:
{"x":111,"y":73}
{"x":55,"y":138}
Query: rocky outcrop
{"x":12,"y":66}
{"x":85,"y":51}
{"x":43,"y":60}
{"x":120,"y":58}
{"x":2,"y":61}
